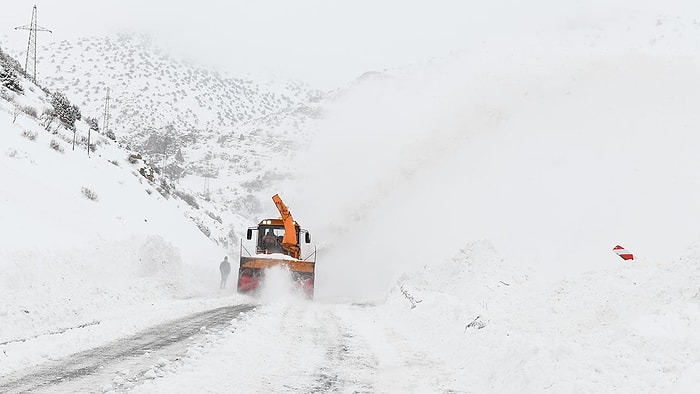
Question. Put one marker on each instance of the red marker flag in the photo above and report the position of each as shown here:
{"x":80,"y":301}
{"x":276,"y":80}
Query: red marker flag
{"x":622,"y":252}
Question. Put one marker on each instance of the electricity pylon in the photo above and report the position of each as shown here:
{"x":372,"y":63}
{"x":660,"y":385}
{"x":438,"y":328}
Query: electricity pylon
{"x":31,"y":47}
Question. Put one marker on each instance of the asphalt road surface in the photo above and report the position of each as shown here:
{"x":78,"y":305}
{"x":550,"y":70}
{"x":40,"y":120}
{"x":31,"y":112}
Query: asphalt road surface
{"x":130,"y":357}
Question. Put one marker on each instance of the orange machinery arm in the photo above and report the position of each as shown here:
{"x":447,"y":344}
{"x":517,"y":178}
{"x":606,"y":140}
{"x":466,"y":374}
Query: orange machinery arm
{"x":289,"y":242}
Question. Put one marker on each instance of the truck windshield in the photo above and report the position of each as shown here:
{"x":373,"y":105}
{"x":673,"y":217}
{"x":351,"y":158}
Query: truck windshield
{"x":270,"y":238}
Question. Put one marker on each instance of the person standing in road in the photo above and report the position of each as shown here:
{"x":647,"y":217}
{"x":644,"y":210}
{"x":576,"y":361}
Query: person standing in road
{"x":225,"y":268}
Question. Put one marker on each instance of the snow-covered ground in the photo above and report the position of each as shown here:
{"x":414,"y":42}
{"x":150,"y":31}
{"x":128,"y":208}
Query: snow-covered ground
{"x":478,"y":325}
{"x":87,"y":242}
{"x":465,"y":212}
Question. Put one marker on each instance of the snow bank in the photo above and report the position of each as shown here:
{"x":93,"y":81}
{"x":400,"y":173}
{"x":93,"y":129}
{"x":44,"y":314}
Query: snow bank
{"x":634,"y":327}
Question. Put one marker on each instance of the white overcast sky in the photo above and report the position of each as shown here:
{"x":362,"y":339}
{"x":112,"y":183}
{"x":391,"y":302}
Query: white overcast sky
{"x":323,"y":42}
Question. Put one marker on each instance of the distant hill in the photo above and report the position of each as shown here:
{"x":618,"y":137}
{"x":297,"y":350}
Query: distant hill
{"x":41,"y":114}
{"x":202,"y":128}
{"x":150,"y":88}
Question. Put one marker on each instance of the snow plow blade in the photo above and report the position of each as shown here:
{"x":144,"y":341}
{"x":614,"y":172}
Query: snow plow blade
{"x":261,"y":263}
{"x":251,"y":273}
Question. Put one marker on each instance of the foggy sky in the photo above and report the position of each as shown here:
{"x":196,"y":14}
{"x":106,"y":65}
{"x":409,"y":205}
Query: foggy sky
{"x":326,"y":43}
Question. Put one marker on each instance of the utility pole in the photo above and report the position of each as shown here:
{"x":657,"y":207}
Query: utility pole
{"x":92,"y":123}
{"x":165,"y":147}
{"x":105,"y":125}
{"x":166,"y":142}
{"x":33,"y":27}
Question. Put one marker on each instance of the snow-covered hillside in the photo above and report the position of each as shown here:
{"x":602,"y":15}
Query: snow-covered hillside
{"x":150,"y":89}
{"x":88,"y":236}
{"x":202,"y":128}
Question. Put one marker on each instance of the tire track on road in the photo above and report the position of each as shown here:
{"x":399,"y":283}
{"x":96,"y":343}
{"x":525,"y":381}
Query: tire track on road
{"x":88,"y":371}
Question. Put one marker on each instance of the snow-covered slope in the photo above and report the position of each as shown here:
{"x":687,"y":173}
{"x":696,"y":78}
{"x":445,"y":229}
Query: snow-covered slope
{"x":629,"y":328}
{"x":150,"y":89}
{"x":210,"y":131}
{"x":86,"y":238}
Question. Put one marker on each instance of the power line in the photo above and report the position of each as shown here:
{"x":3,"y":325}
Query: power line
{"x":33,"y":27}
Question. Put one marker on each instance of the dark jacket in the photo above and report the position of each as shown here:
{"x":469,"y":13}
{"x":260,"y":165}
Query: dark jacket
{"x":225,"y":267}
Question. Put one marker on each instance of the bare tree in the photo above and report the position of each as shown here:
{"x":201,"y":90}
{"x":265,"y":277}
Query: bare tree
{"x":92,"y":122}
{"x":47,"y":118}
{"x":15,"y":113}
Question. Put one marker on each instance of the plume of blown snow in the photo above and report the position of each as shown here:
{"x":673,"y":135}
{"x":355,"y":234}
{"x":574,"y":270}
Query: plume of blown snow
{"x":279,"y":286}
{"x":553,"y":154}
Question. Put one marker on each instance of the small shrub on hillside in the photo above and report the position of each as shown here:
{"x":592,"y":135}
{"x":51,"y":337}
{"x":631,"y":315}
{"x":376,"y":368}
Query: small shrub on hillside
{"x":7,"y":95}
{"x":204,"y":229}
{"x":201,"y":226}
{"x":248,"y":203}
{"x":9,"y":78}
{"x":134,"y":158}
{"x":232,"y":236}
{"x":147,"y":173}
{"x":55,"y":145}
{"x":30,"y":135}
{"x":29,"y":110}
{"x":164,"y":187}
{"x":223,"y":241}
{"x":66,"y":138}
{"x":116,"y":163}
{"x":214,"y":216}
{"x":67,"y":113}
{"x":188,"y":198}
{"x":48,"y":116}
{"x":92,"y":123}
{"x":91,"y":195}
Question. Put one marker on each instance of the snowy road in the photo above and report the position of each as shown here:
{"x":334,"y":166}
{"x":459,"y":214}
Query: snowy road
{"x":289,"y":346}
{"x":281,"y":346}
{"x":311,"y":348}
{"x":625,"y":331}
{"x":130,"y":359}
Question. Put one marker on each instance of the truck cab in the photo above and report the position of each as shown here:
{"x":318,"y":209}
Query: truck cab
{"x":277,"y":243}
{"x":270,"y":235}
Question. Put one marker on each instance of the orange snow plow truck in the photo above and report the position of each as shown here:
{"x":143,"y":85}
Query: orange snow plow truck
{"x":278,"y":243}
